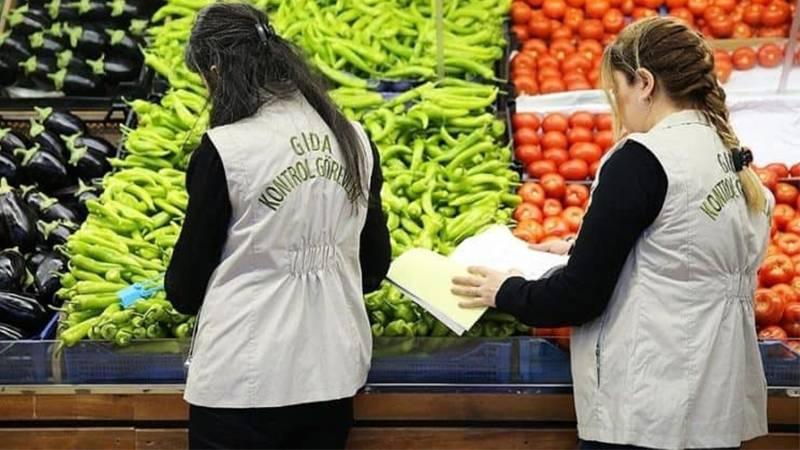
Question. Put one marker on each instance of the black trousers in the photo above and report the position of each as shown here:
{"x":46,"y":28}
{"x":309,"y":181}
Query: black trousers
{"x":322,"y":425}
{"x":592,"y":445}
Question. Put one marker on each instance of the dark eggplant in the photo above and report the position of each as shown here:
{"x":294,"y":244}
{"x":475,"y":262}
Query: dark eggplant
{"x":56,"y":233}
{"x":12,"y":269}
{"x":48,"y":208}
{"x":35,"y":258}
{"x":21,"y":311}
{"x":63,"y":11}
{"x":15,"y":46}
{"x":93,"y":10}
{"x":47,"y":140}
{"x":10,"y":141}
{"x":121,"y":44}
{"x":115,"y":69}
{"x":138,"y":27}
{"x":17,"y":220}
{"x":47,"y":278}
{"x":79,"y":82}
{"x":84,"y":194}
{"x":9,"y":169}
{"x":93,"y":143}
{"x":45,"y":45}
{"x":27,"y":21}
{"x":88,"y":40}
{"x":11,"y":333}
{"x":39,"y":69}
{"x":125,"y":10}
{"x":60,"y":122}
{"x":9,"y":68}
{"x":87,"y":164}
{"x":48,"y":170}
{"x":71,"y":61}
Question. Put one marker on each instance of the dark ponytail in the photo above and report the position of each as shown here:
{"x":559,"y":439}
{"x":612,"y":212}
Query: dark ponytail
{"x":247,"y":65}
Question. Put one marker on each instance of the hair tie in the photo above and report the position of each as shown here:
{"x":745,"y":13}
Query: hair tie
{"x":742,"y":157}
{"x":263,"y":32}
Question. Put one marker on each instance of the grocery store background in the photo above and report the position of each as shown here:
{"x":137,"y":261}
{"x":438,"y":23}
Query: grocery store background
{"x":484,"y":111}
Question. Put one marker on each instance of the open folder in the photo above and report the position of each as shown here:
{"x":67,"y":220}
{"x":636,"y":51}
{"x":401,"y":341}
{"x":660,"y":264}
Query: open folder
{"x":426,"y":277}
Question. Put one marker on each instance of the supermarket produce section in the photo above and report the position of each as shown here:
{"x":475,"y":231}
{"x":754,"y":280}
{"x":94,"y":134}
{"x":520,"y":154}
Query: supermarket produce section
{"x":485,"y":112}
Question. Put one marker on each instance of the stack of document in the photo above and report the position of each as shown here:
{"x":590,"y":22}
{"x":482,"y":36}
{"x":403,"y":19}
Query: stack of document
{"x":426,"y":276}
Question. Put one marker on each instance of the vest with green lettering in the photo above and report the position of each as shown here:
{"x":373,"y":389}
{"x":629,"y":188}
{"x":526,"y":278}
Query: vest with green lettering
{"x":283,"y":321}
{"x":673,"y":362}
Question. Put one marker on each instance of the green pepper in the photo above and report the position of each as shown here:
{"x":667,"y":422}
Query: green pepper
{"x":73,"y":334}
{"x":94,"y":287}
{"x":377,"y":316}
{"x":404,"y":312}
{"x":93,"y":301}
{"x":398,"y":328}
{"x":421,"y":329}
{"x":377,"y":330}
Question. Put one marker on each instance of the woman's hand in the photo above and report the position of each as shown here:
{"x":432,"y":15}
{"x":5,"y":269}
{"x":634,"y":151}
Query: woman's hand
{"x":557,"y":247}
{"x":480,"y":288}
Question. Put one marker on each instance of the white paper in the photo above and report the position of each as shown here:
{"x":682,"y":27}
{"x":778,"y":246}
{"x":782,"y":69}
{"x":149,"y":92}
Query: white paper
{"x":498,"y":249}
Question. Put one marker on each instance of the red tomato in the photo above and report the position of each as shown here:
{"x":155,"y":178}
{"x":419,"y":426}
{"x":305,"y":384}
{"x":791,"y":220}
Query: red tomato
{"x":604,"y":122}
{"x":768,"y":178}
{"x":579,"y":85}
{"x":786,"y":193}
{"x":773,"y":333}
{"x":573,"y":215}
{"x":752,"y":14}
{"x":549,"y":73}
{"x":783,"y":214}
{"x":768,"y":307}
{"x":641,"y":13}
{"x":775,"y":14}
{"x":562,"y":32}
{"x":780,"y":169}
{"x":791,"y":319}
{"x":540,"y":27}
{"x":613,"y":21}
{"x":744,"y":58}
{"x":582,"y":119}
{"x":532,"y":193}
{"x":523,"y":60}
{"x":596,"y":9}
{"x":579,"y":134}
{"x":521,"y":31}
{"x":574,"y":77}
{"x":787,"y":293}
{"x":576,"y":63}
{"x":773,"y":249}
{"x":555,"y":122}
{"x":573,"y":4}
{"x":683,"y":14}
{"x":552,"y":208}
{"x":796,"y":261}
{"x":793,"y":226}
{"x":590,"y":48}
{"x":529,"y":230}
{"x":554,"y":9}
{"x":593,"y":169}
{"x":574,"y":170}
{"x":789,"y":243}
{"x":672,"y":4}
{"x":526,"y":85}
{"x":741,"y":30}
{"x":538,"y":169}
{"x":528,"y":211}
{"x":591,"y":29}
{"x":520,"y":13}
{"x":526,"y":136}
{"x":557,"y":155}
{"x":721,"y":26}
{"x":526,"y":120}
{"x":573,"y":18}
{"x":604,"y":139}
{"x":697,"y":7}
{"x":554,"y":139}
{"x":712,"y":12}
{"x":770,"y":55}
{"x":576,"y":195}
{"x":627,"y":7}
{"x":555,"y":226}
{"x":795,"y":170}
{"x":727,"y":5}
{"x":527,"y":154}
{"x":723,"y":70}
{"x":534,"y":47}
{"x":554,"y":186}
{"x":588,"y":152}
{"x":772,"y":32}
{"x":796,"y":283}
{"x":546,"y":61}
{"x":776,"y":269}
{"x":552,"y":85}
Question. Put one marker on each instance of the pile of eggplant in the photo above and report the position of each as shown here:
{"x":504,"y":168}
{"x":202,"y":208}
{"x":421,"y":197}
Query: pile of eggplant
{"x":83,"y":48}
{"x":46,"y":178}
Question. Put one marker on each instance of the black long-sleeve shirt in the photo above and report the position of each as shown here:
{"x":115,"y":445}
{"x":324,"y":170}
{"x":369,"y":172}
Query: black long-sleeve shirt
{"x":199,"y":248}
{"x":628,"y":198}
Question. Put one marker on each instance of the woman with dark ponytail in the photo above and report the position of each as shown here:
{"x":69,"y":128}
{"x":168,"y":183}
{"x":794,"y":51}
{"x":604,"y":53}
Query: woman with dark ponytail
{"x":660,"y":282}
{"x":283,"y":235}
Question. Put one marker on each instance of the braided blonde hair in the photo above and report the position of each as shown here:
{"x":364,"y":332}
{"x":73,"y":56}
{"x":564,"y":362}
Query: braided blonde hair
{"x":682,"y":64}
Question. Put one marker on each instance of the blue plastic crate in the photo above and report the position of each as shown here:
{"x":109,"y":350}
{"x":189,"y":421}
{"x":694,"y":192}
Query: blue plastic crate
{"x":781,"y":364}
{"x":26,"y":362}
{"x":157,"y":361}
{"x":542,"y":362}
{"x":441,"y":360}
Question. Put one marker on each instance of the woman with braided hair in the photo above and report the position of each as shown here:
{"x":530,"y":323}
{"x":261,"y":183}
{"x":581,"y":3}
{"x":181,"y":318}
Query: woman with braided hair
{"x":659,"y":285}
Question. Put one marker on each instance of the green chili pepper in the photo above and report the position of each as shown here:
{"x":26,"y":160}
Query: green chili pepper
{"x":75,"y":333}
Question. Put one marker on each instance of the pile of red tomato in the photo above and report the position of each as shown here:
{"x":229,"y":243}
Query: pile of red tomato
{"x":560,"y":146}
{"x":769,"y":55}
{"x":735,"y":19}
{"x":777,"y":299}
{"x":563,"y":65}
